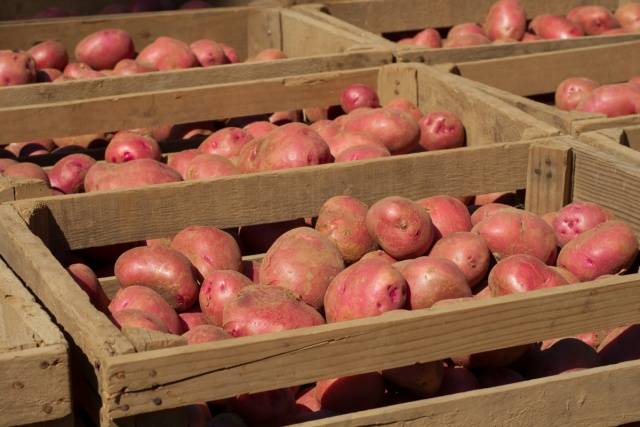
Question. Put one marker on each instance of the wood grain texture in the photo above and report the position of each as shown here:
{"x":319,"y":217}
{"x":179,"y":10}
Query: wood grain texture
{"x":549,"y":178}
{"x":195,"y":373}
{"x":398,"y":80}
{"x":144,"y":340}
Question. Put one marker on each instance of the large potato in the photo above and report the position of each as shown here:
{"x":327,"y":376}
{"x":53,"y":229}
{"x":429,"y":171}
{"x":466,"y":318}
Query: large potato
{"x":149,"y":301}
{"x":398,"y":131}
{"x":522,"y":273}
{"x":136,"y":173}
{"x":103,"y":49}
{"x":506,"y":20}
{"x":468,"y":251}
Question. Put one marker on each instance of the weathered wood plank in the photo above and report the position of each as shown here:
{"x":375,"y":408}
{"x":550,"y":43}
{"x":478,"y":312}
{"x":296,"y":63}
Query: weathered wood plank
{"x":549,"y":178}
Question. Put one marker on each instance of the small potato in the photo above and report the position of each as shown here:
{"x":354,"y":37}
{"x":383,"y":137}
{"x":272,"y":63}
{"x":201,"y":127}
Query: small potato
{"x":357,"y":96}
{"x":205,"y":333}
{"x":217,"y":289}
{"x":576,"y":218}
{"x":522,"y":273}
{"x":405,"y":105}
{"x":441,"y":131}
{"x":362,"y":152}
{"x":395,"y":129}
{"x":146,"y":299}
{"x":572,"y":91}
{"x":226,"y":142}
{"x":230,"y":53}
{"x":448,"y":215}
{"x":429,"y":38}
{"x":128,"y":67}
{"x":133,"y":174}
{"x":126,"y":146}
{"x":49,"y":54}
{"x":468,"y":251}
{"x":103,"y":49}
{"x":88,"y":281}
{"x":27,"y":170}
{"x":553,"y":27}
{"x":208,"y":52}
{"x":594,"y":20}
{"x":180,"y":161}
{"x":351,"y":394}
{"x":422,"y":379}
{"x":506,"y":20}
{"x":131,"y":318}
{"x":205,"y":166}
{"x":68,"y":174}
{"x":167,"y":53}
{"x":16,"y":68}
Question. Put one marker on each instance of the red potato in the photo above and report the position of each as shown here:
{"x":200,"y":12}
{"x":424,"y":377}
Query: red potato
{"x":448,"y":215}
{"x":268,"y":409}
{"x":268,"y":55}
{"x":345,"y":140}
{"x":381,"y":255}
{"x":208,"y":52}
{"x":167,"y":53}
{"x":191,"y":319}
{"x":528,"y":38}
{"x":133,"y":174}
{"x":566,"y":274}
{"x":422,"y":379}
{"x":206,"y":166}
{"x":280,"y":118}
{"x":49,"y":54}
{"x":465,"y":28}
{"x":629,"y":16}
{"x":608,"y":248}
{"x":248,"y":160}
{"x":217,"y":289}
{"x":5,"y":163}
{"x":612,"y":100}
{"x":260,"y":309}
{"x":128,"y":67}
{"x":565,"y":355}
{"x":495,"y":377}
{"x":553,"y":27}
{"x":468,"y":251}
{"x":405,"y":105}
{"x":126,"y":146}
{"x":615,"y":31}
{"x":367,"y":288}
{"x":88,"y":281}
{"x":594,"y":20}
{"x":440,"y":131}
{"x":16,"y":68}
{"x":621,"y":345}
{"x":226,"y":142}
{"x":572,"y":91}
{"x":506,"y":20}
{"x":401,"y":227}
{"x":103,"y":49}
{"x":308,"y":401}
{"x":48,"y":75}
{"x":146,"y":299}
{"x":362,"y":152}
{"x":486,"y":211}
{"x":180,"y":161}
{"x":259,"y":129}
{"x":457,"y":379}
{"x":522,"y":273}
{"x":205,"y":333}
{"x":304,"y":261}
{"x":131,"y":318}
{"x":27,"y":170}
{"x":429,"y":38}
{"x":576,"y":218}
{"x":358,"y":96}
{"x":68,"y":174}
{"x":327,"y":129}
{"x":351,"y":394}
{"x":230,"y":53}
{"x":514,"y":231}
{"x":315,"y":114}
{"x":343,"y":220}
{"x":166,"y":271}
{"x":290,"y":146}
{"x":81,"y":71}
{"x":209,"y":249}
{"x":195,"y":4}
{"x":396,"y":130}
{"x":466,"y":40}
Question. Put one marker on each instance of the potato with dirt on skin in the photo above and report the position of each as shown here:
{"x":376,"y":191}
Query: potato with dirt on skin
{"x":167,"y":53}
{"x":217,"y":289}
{"x":357,"y":96}
{"x":468,"y":251}
{"x":205,"y":333}
{"x":226,"y":142}
{"x":381,"y":255}
{"x":208,"y":52}
{"x":147,"y":300}
{"x":576,"y":218}
{"x":486,"y":211}
{"x":259,"y":129}
{"x":572,"y":91}
{"x":190,"y":319}
{"x":81,"y":71}
{"x":103,"y":49}
{"x":16,"y":68}
{"x":126,"y":146}
{"x":522,"y":273}
{"x":133,"y":174}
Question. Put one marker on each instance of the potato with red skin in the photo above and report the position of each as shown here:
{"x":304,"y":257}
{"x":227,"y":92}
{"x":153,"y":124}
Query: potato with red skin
{"x":466,"y":40}
{"x":465,"y":28}
{"x":554,"y":27}
{"x":290,"y":146}
{"x":206,"y":166}
{"x":304,"y":261}
{"x":49,"y":54}
{"x":133,"y":174}
{"x":362,"y":152}
{"x":262,"y":309}
{"x":367,"y":288}
{"x":205,"y":333}
{"x":506,"y":20}
{"x":27,"y":170}
{"x":217,"y":289}
{"x":103,"y":49}
{"x":421,"y":379}
{"x":345,"y":140}
{"x":522,"y":273}
{"x":280,"y":118}
{"x":248,"y":159}
{"x":612,"y":100}
{"x":440,"y":131}
{"x":208,"y":52}
{"x":468,"y":251}
{"x":5,"y":163}
{"x":566,"y":274}
{"x":381,"y":255}
{"x":620,"y":345}
{"x":448,"y":215}
{"x":126,"y":146}
{"x":401,"y":227}
{"x":494,"y":377}
{"x":180,"y":161}
{"x":486,"y":211}
{"x":230,"y":53}
{"x":343,"y":220}
{"x":429,"y":38}
{"x":88,"y":281}
{"x":608,"y":248}
{"x":81,"y":71}
{"x":48,"y":75}
{"x":131,"y":318}
{"x":351,"y":394}
{"x":576,"y":218}
{"x":146,"y":299}
{"x":528,"y":38}
{"x":307,"y":400}
{"x":572,"y":91}
{"x":514,"y":231}
{"x":68,"y":174}
{"x":457,"y":379}
{"x":191,"y":319}
{"x":128,"y":67}
{"x":226,"y":142}
{"x":565,"y":355}
{"x":208,"y":248}
{"x":259,"y":129}
{"x":327,"y":129}
{"x":405,"y":105}
{"x":16,"y":68}
{"x":167,"y":53}
{"x":594,"y":20}
{"x":395,"y":129}
{"x":629,"y":16}
{"x":358,"y":96}
{"x":266,"y":409}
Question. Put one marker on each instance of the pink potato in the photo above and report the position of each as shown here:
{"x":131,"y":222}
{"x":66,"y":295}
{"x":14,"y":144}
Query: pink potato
{"x":522,"y":273}
{"x":448,"y":215}
{"x":81,"y":71}
{"x":266,"y":409}
{"x":528,"y":38}
{"x":565,"y":355}
{"x":167,"y":53}
{"x":381,"y":255}
{"x":553,"y":27}
{"x":133,"y":174}
{"x":208,"y":52}
{"x":304,"y":261}
{"x":68,"y":174}
{"x":343,"y":220}
{"x":429,"y":38}
{"x":191,"y":319}
{"x":327,"y":129}
{"x":195,"y":4}
{"x":248,"y":159}
{"x":180,"y":161}
{"x":576,"y":218}
{"x":205,"y":333}
{"x":345,"y":140}
{"x":494,"y":377}
{"x":47,"y":75}
{"x":261,"y":309}
{"x":514,"y":231}
{"x":440,"y":131}
{"x":259,"y":129}
{"x":290,"y":146}
{"x":166,"y":271}
{"x":620,"y":345}
{"x":27,"y":170}
{"x":635,"y":81}
{"x":468,"y":251}
{"x":367,"y":288}
{"x":307,"y":401}
{"x":205,"y":166}
{"x":217,"y":289}
{"x":103,"y":49}
{"x":608,"y":248}
{"x":358,"y":96}
{"x":128,"y":67}
{"x":268,"y":55}
{"x":486,"y":211}
{"x":421,"y":379}
{"x":506,"y":20}
{"x":431,"y":280}
{"x":88,"y":281}
{"x":230,"y":53}
{"x":612,"y":100}
{"x":362,"y":152}
{"x":395,"y":129}
{"x":572,"y":91}
{"x":49,"y":54}
{"x":5,"y":163}
{"x":466,"y":40}
{"x":465,"y":28}
{"x":566,"y":274}
{"x":226,"y":142}
{"x":594,"y":20}
{"x":208,"y":248}
{"x":457,"y":379}
{"x":405,"y":105}
{"x":629,"y":16}
{"x":149,"y":301}
{"x":352,"y":393}
{"x":126,"y":146}
{"x":315,"y":114}
{"x":16,"y":68}
{"x":132,"y":318}
{"x":401,"y":227}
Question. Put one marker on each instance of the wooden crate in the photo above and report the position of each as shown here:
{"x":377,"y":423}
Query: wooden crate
{"x":539,"y":75}
{"x":487,"y":120}
{"x":34,"y":366}
{"x":381,"y":17}
{"x":134,"y":373}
